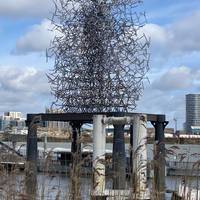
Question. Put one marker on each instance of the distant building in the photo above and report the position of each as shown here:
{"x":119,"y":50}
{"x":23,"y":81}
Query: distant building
{"x":55,"y":125}
{"x":193,"y":113}
{"x":13,"y":115}
{"x":11,"y":120}
{"x":151,"y":132}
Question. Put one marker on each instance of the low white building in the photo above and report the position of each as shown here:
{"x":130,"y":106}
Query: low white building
{"x":12,"y":120}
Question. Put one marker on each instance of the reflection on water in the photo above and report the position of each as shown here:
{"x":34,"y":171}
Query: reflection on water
{"x":51,"y":186}
{"x":54,"y":184}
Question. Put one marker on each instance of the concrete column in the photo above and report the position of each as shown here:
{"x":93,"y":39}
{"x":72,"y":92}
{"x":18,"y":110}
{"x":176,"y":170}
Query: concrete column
{"x":140,"y":155}
{"x":99,"y":150}
{"x":159,"y":157}
{"x":31,"y":164}
{"x":119,"y":158}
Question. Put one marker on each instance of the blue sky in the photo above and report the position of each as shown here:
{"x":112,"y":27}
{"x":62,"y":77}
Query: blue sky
{"x":174,"y":66}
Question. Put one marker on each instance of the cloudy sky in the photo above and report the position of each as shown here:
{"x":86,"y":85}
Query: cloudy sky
{"x":174,"y":65}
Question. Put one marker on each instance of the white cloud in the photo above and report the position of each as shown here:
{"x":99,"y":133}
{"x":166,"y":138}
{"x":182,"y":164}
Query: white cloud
{"x":157,"y":34}
{"x":175,"y":79}
{"x":186,"y":33}
{"x":25,"y":8}
{"x":37,"y":39}
{"x":179,"y":37}
{"x":24,"y":89}
{"x":22,"y":80}
{"x":162,"y":102}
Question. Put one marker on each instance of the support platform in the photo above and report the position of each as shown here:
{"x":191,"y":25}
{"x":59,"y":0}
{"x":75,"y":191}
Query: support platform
{"x":137,"y":121}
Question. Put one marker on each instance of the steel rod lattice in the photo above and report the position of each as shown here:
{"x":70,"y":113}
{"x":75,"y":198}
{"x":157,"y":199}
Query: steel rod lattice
{"x":101,"y":56}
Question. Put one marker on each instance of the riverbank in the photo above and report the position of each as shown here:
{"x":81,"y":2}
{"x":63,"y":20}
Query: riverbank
{"x":86,"y":139}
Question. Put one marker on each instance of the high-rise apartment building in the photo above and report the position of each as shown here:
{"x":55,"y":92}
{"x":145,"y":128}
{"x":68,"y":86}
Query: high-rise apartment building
{"x":193,"y":113}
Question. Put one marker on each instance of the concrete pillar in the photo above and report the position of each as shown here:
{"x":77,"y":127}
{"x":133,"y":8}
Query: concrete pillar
{"x":99,"y":150}
{"x":159,"y":157}
{"x":31,"y":163}
{"x":119,"y":158}
{"x":140,"y":155}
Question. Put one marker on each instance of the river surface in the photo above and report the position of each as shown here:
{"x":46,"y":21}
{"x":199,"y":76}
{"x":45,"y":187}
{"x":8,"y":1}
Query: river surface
{"x":53,"y":184}
{"x":62,"y":183}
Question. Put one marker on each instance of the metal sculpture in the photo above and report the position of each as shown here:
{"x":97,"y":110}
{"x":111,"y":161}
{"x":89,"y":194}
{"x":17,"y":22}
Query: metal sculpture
{"x":101,"y":57}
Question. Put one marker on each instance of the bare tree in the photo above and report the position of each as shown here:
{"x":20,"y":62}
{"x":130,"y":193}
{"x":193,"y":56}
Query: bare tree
{"x":101,"y":56}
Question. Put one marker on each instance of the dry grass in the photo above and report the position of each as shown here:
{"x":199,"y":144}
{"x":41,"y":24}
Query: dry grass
{"x":50,"y":187}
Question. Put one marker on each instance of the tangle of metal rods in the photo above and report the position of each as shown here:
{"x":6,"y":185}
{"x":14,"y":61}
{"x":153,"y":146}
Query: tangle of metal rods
{"x":101,"y":57}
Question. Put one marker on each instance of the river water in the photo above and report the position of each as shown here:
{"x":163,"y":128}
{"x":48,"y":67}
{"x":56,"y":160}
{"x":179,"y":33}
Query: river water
{"x":62,"y":183}
{"x":53,"y":184}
